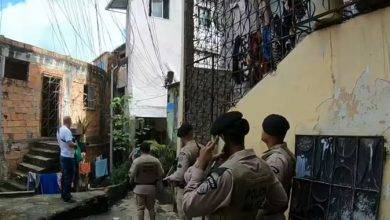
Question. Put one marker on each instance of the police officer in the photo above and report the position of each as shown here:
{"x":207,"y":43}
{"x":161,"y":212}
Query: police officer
{"x":145,"y":171}
{"x":278,"y":156}
{"x":240,"y":186}
{"x":187,"y":157}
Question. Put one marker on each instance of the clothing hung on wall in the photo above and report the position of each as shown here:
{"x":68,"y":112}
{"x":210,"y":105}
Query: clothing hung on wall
{"x":237,"y":74}
{"x":101,"y":168}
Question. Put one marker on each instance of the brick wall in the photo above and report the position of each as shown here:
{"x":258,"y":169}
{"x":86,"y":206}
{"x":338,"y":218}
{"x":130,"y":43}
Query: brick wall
{"x":22,"y":104}
{"x":22,"y":108}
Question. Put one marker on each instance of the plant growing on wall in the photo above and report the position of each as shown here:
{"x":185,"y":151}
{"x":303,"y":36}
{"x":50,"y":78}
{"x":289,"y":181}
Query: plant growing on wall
{"x":83,"y":124}
{"x":121,"y":123}
{"x":165,"y":153}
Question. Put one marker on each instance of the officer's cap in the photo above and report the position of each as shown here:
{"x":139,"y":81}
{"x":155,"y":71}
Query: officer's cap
{"x":275,"y":125}
{"x":230,"y":123}
{"x":184,"y":130}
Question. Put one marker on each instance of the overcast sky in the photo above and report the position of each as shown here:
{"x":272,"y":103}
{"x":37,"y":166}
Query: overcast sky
{"x":68,"y":27}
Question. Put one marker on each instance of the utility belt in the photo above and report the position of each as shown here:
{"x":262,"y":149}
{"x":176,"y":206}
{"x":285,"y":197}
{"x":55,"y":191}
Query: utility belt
{"x":151,"y":184}
{"x":266,"y":213}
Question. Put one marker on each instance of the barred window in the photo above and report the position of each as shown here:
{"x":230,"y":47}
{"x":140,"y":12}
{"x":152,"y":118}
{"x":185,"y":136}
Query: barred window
{"x":89,"y":97}
{"x":337,"y":177}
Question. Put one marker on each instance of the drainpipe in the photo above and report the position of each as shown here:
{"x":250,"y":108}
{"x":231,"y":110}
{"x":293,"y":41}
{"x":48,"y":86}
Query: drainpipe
{"x":111,"y":118}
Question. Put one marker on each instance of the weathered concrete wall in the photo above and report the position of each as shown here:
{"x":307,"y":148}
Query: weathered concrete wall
{"x":335,"y":82}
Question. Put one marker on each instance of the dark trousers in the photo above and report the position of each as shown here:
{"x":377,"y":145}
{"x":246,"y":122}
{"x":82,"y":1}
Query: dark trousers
{"x":68,"y":168}
{"x":76,"y":176}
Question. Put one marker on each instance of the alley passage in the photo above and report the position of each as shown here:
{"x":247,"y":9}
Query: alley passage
{"x":126,"y":210}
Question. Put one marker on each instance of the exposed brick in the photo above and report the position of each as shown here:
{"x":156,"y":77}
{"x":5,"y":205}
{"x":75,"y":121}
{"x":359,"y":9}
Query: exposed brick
{"x":21,"y":106}
{"x":21,"y":136}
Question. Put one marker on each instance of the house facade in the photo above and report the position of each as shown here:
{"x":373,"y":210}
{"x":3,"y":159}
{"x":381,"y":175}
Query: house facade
{"x":38,"y":88}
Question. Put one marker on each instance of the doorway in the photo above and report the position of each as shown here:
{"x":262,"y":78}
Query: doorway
{"x":50,"y":106}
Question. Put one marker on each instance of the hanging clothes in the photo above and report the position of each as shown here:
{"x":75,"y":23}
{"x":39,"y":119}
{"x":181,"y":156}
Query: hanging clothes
{"x":85,"y":168}
{"x":101,"y":168}
{"x":33,"y":180}
{"x":237,"y":71}
{"x":255,"y":56}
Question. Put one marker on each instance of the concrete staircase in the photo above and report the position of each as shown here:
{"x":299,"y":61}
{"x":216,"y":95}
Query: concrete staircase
{"x":43,"y":157}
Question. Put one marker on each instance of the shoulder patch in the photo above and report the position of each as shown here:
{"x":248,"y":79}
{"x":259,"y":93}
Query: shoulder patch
{"x":181,"y":156}
{"x":274,"y":169}
{"x":203,"y":188}
{"x":209,"y":184}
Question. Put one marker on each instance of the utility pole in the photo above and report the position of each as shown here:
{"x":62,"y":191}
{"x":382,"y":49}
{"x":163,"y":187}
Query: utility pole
{"x":111,"y":119}
{"x":187,"y":56}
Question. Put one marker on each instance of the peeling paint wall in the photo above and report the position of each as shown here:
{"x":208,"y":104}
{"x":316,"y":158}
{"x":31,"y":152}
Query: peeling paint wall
{"x":335,"y":82}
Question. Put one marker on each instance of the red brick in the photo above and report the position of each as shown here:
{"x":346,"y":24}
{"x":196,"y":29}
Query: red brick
{"x":20,"y":136}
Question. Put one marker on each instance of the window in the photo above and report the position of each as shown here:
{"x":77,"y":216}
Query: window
{"x":16,"y":69}
{"x":204,"y":17}
{"x":337,"y":177}
{"x":159,"y":8}
{"x":89,"y":97}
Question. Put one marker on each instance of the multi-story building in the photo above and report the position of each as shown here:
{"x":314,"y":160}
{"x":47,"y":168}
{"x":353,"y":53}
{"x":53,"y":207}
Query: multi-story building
{"x":153,"y":48}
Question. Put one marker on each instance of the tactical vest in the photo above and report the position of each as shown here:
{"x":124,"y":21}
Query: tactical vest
{"x":249,"y":191}
{"x":289,"y":159}
{"x":147,"y":173}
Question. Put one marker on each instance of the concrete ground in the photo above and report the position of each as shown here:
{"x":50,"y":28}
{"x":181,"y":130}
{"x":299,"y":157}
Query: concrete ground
{"x":51,"y":206}
{"x":93,"y":204}
{"x":126,"y":210}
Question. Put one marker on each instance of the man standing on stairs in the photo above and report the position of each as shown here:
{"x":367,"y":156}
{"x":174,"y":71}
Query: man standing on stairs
{"x":67,"y":146}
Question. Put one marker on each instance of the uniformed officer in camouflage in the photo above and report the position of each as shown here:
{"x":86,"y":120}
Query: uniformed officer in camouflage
{"x":278,"y":156}
{"x":238,"y":188}
{"x":187,"y":157}
{"x":145,"y":172}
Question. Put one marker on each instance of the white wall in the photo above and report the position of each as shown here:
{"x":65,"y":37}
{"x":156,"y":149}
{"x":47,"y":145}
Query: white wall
{"x":146,"y":79}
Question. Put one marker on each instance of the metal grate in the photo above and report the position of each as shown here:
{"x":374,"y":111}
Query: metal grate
{"x":50,"y":106}
{"x":337,"y":177}
{"x":235,"y":43}
{"x":89,"y":97}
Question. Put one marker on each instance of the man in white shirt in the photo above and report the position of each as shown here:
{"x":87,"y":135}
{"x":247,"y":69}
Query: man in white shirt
{"x":65,"y":140}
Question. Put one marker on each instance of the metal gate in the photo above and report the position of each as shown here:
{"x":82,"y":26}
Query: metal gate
{"x":208,"y":94}
{"x":50,"y":106}
{"x":235,"y":43}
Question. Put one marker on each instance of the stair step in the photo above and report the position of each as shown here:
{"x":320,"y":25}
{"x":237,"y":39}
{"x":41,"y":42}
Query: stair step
{"x":16,"y":194}
{"x":20,"y":176}
{"x":3,"y":189}
{"x":48,"y":144}
{"x":37,"y":157}
{"x":42,"y":161}
{"x":30,"y":167}
{"x":14,"y":186}
{"x":45,"y":152}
